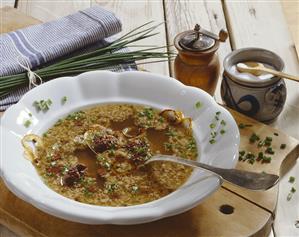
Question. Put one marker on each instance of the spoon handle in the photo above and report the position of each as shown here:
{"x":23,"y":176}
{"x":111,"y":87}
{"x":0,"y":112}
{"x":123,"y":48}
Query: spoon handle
{"x":244,"y":179}
{"x":277,"y":73}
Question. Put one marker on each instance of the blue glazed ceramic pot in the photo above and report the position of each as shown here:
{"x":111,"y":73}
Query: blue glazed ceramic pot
{"x":260,"y":98}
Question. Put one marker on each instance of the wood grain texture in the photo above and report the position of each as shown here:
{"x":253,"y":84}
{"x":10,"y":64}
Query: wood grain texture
{"x":291,"y":10}
{"x":12,"y":19}
{"x":282,"y":160}
{"x":262,"y":24}
{"x":136,"y":13}
{"x":48,"y":10}
{"x":7,"y":3}
{"x":182,"y":15}
{"x":200,"y":221}
{"x":288,"y":210}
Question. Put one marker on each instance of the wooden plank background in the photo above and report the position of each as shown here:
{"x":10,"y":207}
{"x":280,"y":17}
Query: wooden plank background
{"x":250,"y":23}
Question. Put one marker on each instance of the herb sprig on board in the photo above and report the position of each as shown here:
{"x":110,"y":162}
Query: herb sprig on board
{"x":102,"y":58}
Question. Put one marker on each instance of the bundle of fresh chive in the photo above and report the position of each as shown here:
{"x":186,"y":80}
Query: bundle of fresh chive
{"x":102,"y":58}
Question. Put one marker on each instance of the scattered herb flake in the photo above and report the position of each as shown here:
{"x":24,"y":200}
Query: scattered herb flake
{"x":63,"y":100}
{"x":222,"y":131}
{"x":276,"y":134}
{"x":283,"y":146}
{"x":212,"y":141}
{"x":268,"y":139}
{"x":289,"y":197}
{"x":266,"y":159}
{"x":269,"y":150}
{"x":251,"y":161}
{"x":147,"y":112}
{"x":291,"y":193}
{"x":76,"y":115}
{"x":241,"y":153}
{"x":242,"y":125}
{"x":42,"y":105}
{"x":27,"y":123}
{"x":250,"y":156}
{"x":291,"y":179}
{"x":218,"y":113}
{"x":30,"y":114}
{"x":223,"y":122}
{"x":260,"y":156}
{"x":297,"y":224}
{"x":213,"y":134}
{"x":198,"y":105}
{"x":212,"y":125}
{"x":253,"y":138}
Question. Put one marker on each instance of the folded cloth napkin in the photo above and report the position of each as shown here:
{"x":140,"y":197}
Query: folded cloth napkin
{"x":47,"y":42}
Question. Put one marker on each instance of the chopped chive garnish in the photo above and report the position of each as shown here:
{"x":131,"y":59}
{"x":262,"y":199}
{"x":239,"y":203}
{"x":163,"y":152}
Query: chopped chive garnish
{"x":290,"y":195}
{"x":267,"y":143}
{"x":260,"y":156}
{"x":249,"y":155}
{"x":250,"y":158}
{"x":253,"y":138}
{"x":42,"y":105}
{"x":268,"y":139}
{"x":242,"y":125}
{"x":63,"y":99}
{"x":27,"y":123}
{"x":266,"y":159}
{"x":213,"y":134}
{"x":276,"y":134}
{"x":283,"y":146}
{"x":291,"y":179}
{"x":251,"y":161}
{"x":269,"y":150}
{"x":30,"y":114}
{"x":212,"y":125}
{"x":197,"y":104}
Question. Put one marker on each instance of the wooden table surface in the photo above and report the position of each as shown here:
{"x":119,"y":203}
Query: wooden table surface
{"x":249,"y":23}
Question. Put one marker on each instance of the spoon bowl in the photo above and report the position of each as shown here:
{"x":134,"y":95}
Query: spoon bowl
{"x":241,"y":178}
{"x":258,"y":69}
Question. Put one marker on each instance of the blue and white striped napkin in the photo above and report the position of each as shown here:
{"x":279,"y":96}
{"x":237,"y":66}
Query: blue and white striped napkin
{"x":48,"y":42}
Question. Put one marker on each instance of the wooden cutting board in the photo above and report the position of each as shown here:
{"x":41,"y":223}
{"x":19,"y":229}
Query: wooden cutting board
{"x":230,"y":211}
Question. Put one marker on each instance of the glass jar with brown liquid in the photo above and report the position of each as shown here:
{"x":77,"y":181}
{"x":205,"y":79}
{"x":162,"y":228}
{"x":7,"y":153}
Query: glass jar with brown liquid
{"x":197,"y":63}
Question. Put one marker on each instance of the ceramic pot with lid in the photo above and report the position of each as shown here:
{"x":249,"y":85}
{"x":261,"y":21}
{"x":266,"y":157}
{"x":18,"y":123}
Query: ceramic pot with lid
{"x":260,"y":97}
{"x":197,"y":63}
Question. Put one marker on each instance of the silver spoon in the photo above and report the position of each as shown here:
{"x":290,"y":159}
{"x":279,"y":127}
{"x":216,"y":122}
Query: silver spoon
{"x":241,"y":178}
